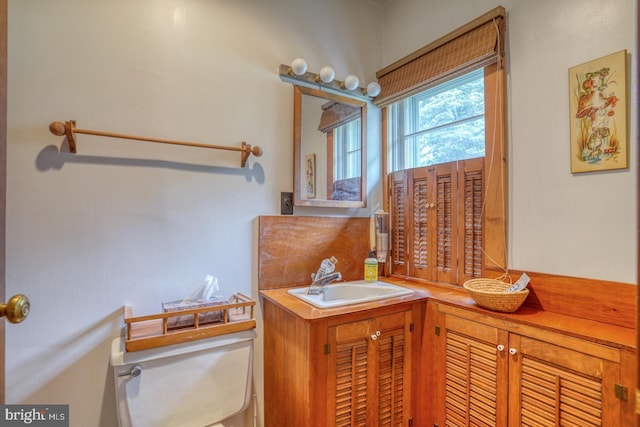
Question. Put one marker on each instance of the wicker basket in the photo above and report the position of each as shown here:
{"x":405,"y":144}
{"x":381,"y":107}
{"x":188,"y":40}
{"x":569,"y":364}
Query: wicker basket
{"x":492,"y":294}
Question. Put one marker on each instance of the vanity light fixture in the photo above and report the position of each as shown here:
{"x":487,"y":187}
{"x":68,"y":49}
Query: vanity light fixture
{"x":298,"y":67}
{"x":326,"y":75}
{"x":297,"y":73}
{"x":373,"y":89}
{"x":351,"y":82}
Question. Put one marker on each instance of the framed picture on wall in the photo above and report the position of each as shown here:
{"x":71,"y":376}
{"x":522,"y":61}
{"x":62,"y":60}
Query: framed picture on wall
{"x":598,"y":114}
{"x":310,"y":175}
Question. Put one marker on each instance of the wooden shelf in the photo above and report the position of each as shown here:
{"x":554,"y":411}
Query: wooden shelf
{"x":145,"y":332}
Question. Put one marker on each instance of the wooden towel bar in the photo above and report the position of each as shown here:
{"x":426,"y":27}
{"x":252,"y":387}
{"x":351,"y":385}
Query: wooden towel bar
{"x":69,"y":130}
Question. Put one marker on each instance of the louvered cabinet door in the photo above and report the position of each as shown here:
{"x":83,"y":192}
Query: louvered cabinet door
{"x":366,"y":381}
{"x":393,"y":369}
{"x":350,"y":354}
{"x":474,"y":381}
{"x":557,"y":386}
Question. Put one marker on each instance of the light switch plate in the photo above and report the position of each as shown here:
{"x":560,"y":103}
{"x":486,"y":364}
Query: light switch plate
{"x":286,"y":203}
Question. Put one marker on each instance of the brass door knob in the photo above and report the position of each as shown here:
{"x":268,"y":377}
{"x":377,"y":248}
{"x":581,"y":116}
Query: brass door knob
{"x":16,"y":309}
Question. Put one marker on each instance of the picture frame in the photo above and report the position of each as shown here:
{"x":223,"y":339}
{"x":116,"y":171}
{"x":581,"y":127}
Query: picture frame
{"x":598,"y":114}
{"x":310,"y":175}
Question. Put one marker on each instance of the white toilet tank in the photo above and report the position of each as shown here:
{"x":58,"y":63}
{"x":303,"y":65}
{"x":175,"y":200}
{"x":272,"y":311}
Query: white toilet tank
{"x":192,"y":384}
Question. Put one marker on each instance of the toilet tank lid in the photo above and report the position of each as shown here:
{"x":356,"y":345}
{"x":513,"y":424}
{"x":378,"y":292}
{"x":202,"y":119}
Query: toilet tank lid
{"x":121,"y":357}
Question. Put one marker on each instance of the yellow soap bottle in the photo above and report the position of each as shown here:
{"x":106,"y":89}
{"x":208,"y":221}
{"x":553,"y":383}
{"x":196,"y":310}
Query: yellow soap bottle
{"x":371,"y":268}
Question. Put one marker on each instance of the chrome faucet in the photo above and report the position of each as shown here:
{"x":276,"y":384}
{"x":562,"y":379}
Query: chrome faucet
{"x":324,"y":276}
{"x":318,"y":284}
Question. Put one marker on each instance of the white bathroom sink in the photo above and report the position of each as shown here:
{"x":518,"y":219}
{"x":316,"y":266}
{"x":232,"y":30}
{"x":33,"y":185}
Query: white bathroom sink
{"x":346,"y":293}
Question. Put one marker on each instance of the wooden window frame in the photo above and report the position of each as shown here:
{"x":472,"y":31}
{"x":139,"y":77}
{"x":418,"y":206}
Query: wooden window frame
{"x":495,"y":169}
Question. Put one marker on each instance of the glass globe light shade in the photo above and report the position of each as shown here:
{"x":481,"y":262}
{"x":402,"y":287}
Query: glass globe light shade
{"x":373,"y":89}
{"x":299,"y":66}
{"x":351,"y":82}
{"x":327,"y":74}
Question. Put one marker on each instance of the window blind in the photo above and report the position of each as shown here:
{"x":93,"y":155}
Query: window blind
{"x":476,"y":44}
{"x":335,"y":114}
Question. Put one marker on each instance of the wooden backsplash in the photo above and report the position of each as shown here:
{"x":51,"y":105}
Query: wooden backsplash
{"x":290,"y":248}
{"x":600,"y":300}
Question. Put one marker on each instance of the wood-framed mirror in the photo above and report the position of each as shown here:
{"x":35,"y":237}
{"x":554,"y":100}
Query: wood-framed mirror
{"x":329,"y":149}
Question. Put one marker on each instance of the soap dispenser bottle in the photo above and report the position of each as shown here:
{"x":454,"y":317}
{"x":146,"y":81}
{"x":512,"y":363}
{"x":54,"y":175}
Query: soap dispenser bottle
{"x":371,"y":268}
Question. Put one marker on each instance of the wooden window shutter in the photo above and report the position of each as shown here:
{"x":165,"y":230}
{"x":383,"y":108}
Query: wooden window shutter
{"x":474,"y":45}
{"x":438,"y":222}
{"x":420,"y":245}
{"x":471,"y":226}
{"x":398,"y":185}
{"x":446,"y":222}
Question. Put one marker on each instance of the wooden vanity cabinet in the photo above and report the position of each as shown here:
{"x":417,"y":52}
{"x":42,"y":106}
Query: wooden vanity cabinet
{"x":367,"y":363}
{"x":346,"y":370}
{"x":499,"y":373}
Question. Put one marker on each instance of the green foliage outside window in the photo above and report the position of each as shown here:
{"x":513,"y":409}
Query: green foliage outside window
{"x":442,"y":124}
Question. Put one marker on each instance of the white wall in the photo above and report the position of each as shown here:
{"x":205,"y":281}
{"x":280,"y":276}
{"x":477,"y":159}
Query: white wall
{"x":134,"y":223}
{"x":138,"y":223}
{"x":577,"y":225}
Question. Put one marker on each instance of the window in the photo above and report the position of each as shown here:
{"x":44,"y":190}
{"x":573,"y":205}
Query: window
{"x":439,"y":125}
{"x":347,"y":152}
{"x":444,"y":139}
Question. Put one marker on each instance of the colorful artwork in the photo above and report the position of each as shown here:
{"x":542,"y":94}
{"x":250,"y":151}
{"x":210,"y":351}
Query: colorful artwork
{"x":598,"y":114}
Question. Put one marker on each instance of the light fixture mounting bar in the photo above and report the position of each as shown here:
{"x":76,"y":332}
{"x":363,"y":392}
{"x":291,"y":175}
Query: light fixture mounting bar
{"x":312,"y":80}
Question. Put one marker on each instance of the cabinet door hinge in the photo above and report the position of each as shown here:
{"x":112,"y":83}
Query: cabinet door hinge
{"x":410,"y":423}
{"x":437,"y":331}
{"x":622,"y":392}
{"x":410,"y":327}
{"x":327,"y":348}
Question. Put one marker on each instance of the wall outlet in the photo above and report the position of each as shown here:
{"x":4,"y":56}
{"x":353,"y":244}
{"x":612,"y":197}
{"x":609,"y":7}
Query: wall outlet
{"x":286,"y":203}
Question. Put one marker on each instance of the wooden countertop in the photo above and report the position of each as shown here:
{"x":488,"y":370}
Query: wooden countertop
{"x":599,"y":332}
{"x":308,"y":312}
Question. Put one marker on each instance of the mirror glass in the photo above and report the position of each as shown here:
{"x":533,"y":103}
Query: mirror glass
{"x":329,"y":134}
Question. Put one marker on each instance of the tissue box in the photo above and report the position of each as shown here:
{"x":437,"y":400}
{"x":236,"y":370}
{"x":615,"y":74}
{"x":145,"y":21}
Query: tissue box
{"x":186,"y":320}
